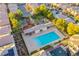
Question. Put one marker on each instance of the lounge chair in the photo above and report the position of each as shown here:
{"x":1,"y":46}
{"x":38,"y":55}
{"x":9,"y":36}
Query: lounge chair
{"x":44,"y":29}
{"x":37,"y":31}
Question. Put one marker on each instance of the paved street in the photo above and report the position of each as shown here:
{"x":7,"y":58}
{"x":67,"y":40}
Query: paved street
{"x":21,"y":48}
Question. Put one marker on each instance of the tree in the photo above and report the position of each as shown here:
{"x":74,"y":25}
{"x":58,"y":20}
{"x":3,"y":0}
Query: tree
{"x":15,"y":23}
{"x":42,"y":7}
{"x":60,"y":24}
{"x":76,"y":29}
{"x":50,"y":15}
{"x":42,"y":12}
{"x":28,"y":7}
{"x":72,"y":29}
{"x":11,"y":15}
{"x":39,"y":13}
{"x":16,"y":20}
{"x":19,"y":12}
{"x":76,"y":18}
{"x":36,"y":10}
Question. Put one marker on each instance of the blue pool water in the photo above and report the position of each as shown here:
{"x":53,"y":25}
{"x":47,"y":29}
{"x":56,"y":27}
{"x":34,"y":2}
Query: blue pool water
{"x":58,"y":52}
{"x":46,"y":38}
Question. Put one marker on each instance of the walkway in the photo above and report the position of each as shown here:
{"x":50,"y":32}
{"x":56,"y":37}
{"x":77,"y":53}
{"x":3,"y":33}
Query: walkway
{"x":20,"y":44}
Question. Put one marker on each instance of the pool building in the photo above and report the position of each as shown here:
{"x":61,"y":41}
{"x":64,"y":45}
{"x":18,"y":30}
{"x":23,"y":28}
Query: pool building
{"x":42,"y":39}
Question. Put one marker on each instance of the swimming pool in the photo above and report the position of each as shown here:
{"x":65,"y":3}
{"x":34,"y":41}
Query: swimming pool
{"x":59,"y":51}
{"x":46,"y":38}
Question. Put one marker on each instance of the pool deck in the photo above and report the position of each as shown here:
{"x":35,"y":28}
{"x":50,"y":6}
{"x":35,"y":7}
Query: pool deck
{"x":32,"y":45}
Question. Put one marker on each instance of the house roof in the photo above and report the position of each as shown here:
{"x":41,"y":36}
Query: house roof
{"x":5,"y":29}
{"x":3,"y":15}
{"x":6,"y":40}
